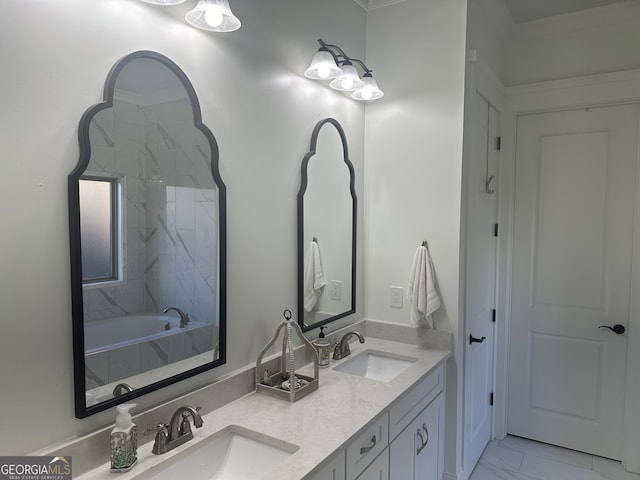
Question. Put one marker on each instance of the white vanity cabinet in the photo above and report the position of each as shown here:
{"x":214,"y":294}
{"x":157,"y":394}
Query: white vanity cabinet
{"x":379,"y":469}
{"x":334,"y":470}
{"x":418,"y":453}
{"x":417,"y":431}
{"x":406,"y":442}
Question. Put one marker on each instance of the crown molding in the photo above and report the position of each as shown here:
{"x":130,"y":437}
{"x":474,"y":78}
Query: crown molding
{"x":494,"y":13}
{"x":607,"y":15}
{"x":373,"y":4}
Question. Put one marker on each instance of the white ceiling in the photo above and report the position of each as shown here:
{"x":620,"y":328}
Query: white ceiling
{"x":528,"y":10}
{"x":523,"y":11}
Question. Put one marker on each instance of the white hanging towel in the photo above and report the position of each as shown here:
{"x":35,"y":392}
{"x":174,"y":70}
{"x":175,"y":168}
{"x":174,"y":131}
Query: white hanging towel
{"x":313,"y":276}
{"x":422,"y":288}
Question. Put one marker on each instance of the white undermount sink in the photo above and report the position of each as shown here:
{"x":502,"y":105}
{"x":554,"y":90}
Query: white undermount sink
{"x":234,"y":453}
{"x":376,"y":365}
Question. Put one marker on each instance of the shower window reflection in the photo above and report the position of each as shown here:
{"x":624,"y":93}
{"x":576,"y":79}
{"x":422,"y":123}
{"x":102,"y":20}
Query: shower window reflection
{"x":100,"y":228}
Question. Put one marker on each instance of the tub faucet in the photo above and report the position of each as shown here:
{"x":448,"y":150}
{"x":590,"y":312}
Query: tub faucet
{"x":177,"y":432}
{"x":341,"y":348}
{"x":122,"y":388}
{"x":184,"y":317}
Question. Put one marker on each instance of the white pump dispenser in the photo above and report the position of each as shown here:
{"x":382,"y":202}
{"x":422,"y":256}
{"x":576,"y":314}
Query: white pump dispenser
{"x":124,"y":440}
{"x":123,"y":418}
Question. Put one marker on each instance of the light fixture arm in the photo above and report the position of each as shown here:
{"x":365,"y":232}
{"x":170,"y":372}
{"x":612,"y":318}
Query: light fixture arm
{"x":342,"y":58}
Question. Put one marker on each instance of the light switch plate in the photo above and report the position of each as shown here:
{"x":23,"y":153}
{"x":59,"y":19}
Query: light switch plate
{"x":336,"y":290}
{"x":396,"y":297}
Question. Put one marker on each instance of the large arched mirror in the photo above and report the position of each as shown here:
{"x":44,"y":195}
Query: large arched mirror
{"x":147,"y":215}
{"x":327,"y":207}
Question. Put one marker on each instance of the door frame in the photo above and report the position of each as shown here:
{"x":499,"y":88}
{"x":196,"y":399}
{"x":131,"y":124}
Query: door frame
{"x":579,"y":92}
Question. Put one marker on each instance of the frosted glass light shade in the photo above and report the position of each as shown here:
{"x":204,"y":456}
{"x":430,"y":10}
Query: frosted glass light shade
{"x":348,"y":81}
{"x":370,"y":90}
{"x":164,"y":2}
{"x":214,"y":16}
{"x":322,"y":67}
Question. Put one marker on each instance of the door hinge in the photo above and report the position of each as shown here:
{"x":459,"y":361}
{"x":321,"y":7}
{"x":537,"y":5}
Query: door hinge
{"x":495,"y":229}
{"x":493,"y":315}
{"x":491,"y":399}
{"x":498,"y":143}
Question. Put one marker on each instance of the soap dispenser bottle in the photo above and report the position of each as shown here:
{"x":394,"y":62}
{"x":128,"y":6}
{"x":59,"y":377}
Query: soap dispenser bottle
{"x":124,"y":440}
{"x":324,"y":349}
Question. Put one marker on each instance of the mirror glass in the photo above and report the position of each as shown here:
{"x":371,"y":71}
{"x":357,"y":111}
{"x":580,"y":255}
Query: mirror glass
{"x":147,"y":231}
{"x":326,"y":229}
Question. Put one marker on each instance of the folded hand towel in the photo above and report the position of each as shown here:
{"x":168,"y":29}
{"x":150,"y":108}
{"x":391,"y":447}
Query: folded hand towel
{"x":313,"y":276}
{"x":422,"y":289}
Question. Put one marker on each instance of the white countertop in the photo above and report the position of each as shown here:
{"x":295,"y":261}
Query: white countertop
{"x":320,"y":423}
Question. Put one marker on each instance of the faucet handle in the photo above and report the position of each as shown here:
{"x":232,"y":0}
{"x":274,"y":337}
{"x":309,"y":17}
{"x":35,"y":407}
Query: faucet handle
{"x":185,"y":424}
{"x":160,"y":442}
{"x":336,"y":351}
{"x":161,"y":427}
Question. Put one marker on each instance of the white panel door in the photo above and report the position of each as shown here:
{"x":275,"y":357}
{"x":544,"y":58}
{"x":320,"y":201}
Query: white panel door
{"x":572,"y":245}
{"x":480,"y":269}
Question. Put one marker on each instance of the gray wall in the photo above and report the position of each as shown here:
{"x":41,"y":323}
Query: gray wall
{"x":414,"y":166}
{"x":55,"y":58}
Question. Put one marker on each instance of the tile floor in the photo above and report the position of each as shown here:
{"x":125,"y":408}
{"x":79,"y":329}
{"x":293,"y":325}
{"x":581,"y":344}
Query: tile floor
{"x":517,"y":458}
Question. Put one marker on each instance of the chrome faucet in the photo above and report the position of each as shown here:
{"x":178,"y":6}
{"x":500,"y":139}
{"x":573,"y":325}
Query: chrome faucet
{"x":177,"y":432}
{"x":184,"y":317}
{"x":122,"y":388}
{"x":341,"y":348}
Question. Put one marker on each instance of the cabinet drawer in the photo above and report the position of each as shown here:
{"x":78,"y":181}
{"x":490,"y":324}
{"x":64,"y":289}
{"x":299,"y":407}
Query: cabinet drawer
{"x":413,"y":402}
{"x":364,"y":448}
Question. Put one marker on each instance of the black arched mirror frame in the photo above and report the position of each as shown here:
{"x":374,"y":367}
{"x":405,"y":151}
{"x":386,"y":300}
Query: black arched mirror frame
{"x":301,"y":220}
{"x":83,"y":410}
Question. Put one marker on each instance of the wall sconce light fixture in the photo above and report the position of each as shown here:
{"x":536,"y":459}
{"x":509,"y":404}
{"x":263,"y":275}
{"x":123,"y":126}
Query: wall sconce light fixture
{"x":331,"y":63}
{"x":211,"y":15}
{"x":214,"y":16}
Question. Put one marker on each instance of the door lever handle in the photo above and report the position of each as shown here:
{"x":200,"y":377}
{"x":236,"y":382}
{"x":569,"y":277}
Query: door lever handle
{"x":619,"y":329}
{"x":473,"y":339}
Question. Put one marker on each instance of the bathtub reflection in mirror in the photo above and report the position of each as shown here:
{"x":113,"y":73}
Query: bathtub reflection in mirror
{"x":326,"y":229}
{"x":147,"y":230}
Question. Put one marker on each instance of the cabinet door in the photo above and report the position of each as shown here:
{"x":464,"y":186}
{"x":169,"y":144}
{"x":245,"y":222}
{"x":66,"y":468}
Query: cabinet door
{"x":430,"y":458}
{"x":379,"y":468}
{"x":402,"y":453}
{"x":417,"y":453}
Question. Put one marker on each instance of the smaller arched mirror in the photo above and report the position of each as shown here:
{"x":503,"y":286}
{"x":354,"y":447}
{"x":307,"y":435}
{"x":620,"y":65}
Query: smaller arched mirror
{"x":147,"y":215}
{"x":327,"y":207}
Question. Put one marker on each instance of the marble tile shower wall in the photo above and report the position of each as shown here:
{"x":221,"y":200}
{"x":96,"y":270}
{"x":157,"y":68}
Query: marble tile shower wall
{"x":170,"y":219}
